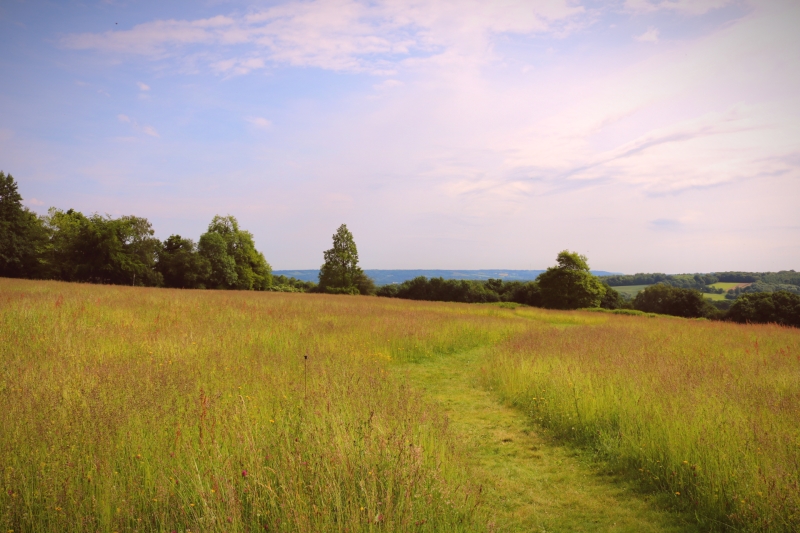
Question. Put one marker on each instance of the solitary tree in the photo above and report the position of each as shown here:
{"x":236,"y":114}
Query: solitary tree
{"x":231,"y":252}
{"x":570,"y":285}
{"x":340,"y":273}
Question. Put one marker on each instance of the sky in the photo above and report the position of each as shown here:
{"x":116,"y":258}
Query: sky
{"x":649,"y":135}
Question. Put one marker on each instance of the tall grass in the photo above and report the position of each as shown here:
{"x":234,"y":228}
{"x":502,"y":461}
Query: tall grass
{"x":127,"y":409}
{"x":706,"y":411}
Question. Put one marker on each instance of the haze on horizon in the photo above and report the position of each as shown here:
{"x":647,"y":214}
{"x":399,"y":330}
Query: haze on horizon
{"x":650,"y":135}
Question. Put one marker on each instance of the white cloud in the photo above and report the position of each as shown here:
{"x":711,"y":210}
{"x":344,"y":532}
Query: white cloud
{"x":687,"y":7}
{"x":259,"y":122}
{"x":143,"y":86}
{"x":344,"y":35}
{"x":650,"y":36}
{"x":34,"y":201}
{"x":147,"y":130}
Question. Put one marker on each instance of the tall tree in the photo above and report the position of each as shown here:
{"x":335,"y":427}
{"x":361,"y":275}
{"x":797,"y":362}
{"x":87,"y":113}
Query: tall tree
{"x":570,"y":285}
{"x":21,"y":233}
{"x":235,"y":262}
{"x":181,"y":264}
{"x":340,"y":273}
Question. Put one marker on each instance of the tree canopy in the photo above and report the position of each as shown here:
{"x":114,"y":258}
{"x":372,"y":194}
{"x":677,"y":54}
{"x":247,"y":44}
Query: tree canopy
{"x":570,"y":285}
{"x":21,"y":234}
{"x":667,"y":300}
{"x":231,"y":253}
{"x":340,"y":272}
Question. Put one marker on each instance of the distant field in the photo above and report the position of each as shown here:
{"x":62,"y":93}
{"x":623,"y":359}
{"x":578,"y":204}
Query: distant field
{"x":724,"y":286}
{"x":630,"y":290}
{"x":712,"y":296}
{"x":728,"y":286}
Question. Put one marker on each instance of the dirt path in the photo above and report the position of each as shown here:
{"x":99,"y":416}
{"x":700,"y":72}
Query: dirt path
{"x":531,"y":483}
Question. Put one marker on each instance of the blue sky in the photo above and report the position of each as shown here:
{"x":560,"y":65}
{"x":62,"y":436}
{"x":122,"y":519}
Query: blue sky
{"x":649,"y":135}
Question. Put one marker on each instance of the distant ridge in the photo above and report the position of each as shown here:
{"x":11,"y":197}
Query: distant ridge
{"x":386,"y":277}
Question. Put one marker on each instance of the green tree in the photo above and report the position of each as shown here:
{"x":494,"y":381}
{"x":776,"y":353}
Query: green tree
{"x":667,"y":300}
{"x":780,"y":307}
{"x":570,"y":285}
{"x":101,"y":249}
{"x":181,"y":264}
{"x":340,"y":273}
{"x":22,"y":235}
{"x":612,"y":299}
{"x":231,"y":252}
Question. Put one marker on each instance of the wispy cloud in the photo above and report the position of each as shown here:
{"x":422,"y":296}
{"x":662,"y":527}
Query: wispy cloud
{"x":343,"y":35}
{"x":387,"y":84}
{"x":142,"y":86}
{"x":650,"y":36}
{"x":259,"y":122}
{"x":688,"y":7}
{"x":147,"y":130}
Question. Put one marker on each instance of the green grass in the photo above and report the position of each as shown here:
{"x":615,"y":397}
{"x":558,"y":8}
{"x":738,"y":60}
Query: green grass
{"x":712,"y":296}
{"x":129,"y":409}
{"x":706,"y":411}
{"x":132,"y":409}
{"x":630,"y":290}
{"x":530,"y":482}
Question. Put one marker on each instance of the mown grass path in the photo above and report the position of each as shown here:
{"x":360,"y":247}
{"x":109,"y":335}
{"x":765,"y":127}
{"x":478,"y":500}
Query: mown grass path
{"x":530,"y":482}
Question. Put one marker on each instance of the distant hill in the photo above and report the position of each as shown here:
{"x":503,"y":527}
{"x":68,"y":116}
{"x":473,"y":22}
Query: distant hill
{"x":386,"y":277}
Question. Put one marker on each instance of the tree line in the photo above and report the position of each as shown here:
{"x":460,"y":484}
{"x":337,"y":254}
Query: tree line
{"x":71,"y":246}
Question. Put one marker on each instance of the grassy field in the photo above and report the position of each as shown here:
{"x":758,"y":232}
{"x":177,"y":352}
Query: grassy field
{"x":712,"y":296}
{"x":706,"y":411}
{"x":728,"y":286}
{"x":129,"y":409}
{"x":630,"y":290}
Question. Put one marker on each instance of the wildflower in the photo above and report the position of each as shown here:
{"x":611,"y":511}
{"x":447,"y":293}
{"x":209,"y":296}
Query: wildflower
{"x":244,"y":473}
{"x":677,"y":494}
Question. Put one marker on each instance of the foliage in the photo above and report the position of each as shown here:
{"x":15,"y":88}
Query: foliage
{"x":787,"y":277}
{"x":780,"y":307}
{"x":738,"y":277}
{"x":340,"y":274}
{"x":700,"y":282}
{"x":761,"y":286}
{"x":283,"y":283}
{"x":612,"y":300}
{"x":101,"y":249}
{"x":21,"y":233}
{"x":570,"y":285}
{"x":667,"y":300}
{"x":181,"y":264}
{"x":635,"y":279}
{"x":231,"y":252}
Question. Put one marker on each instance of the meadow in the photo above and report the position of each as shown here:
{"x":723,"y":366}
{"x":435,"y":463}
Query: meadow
{"x":133,"y":409}
{"x":630,"y":291}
